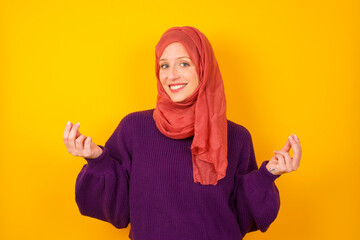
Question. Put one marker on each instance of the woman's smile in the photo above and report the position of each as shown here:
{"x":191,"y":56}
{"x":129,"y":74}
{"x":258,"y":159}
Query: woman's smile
{"x":177,"y":87}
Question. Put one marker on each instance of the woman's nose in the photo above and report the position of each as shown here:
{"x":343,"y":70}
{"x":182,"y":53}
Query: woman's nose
{"x":173,"y":73}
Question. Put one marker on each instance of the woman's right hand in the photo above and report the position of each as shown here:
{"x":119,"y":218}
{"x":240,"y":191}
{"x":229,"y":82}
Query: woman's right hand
{"x":79,"y":145}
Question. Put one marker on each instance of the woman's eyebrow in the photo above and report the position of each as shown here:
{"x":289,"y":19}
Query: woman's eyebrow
{"x":176,"y":58}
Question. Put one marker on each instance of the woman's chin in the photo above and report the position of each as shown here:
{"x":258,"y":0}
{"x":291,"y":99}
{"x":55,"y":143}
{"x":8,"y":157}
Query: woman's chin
{"x":177,"y":98}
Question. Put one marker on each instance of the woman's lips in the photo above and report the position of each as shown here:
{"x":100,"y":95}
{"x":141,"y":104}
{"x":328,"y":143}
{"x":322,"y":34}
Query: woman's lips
{"x":177,"y":89}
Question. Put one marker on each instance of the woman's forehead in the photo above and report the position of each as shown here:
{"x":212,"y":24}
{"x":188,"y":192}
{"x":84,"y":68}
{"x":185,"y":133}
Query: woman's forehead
{"x":174,"y":50}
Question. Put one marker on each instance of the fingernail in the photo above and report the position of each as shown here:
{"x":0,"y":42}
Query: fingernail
{"x":68,"y":123}
{"x":296,"y":136}
{"x":78,"y":123}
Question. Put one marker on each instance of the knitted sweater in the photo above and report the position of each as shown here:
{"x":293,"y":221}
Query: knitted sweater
{"x":146,"y":179}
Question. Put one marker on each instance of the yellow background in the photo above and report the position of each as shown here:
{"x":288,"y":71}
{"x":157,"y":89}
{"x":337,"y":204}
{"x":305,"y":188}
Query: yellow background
{"x":288,"y":67}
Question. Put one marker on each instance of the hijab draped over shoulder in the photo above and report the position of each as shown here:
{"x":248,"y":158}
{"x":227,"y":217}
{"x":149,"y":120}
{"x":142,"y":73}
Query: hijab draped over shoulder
{"x":203,"y":114}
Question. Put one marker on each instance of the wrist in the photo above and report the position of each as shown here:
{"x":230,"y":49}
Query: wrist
{"x":273,"y":170}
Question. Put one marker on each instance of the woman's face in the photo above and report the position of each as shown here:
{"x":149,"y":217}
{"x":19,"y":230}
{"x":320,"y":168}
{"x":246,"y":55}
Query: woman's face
{"x":177,"y":72}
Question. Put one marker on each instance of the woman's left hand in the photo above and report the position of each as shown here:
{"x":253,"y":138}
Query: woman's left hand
{"x":281,"y":162}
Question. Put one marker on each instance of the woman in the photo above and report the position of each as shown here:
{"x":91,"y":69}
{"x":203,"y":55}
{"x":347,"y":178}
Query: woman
{"x":181,"y":170}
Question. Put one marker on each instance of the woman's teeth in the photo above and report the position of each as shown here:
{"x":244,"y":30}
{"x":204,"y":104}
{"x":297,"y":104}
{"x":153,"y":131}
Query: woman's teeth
{"x":173,"y":87}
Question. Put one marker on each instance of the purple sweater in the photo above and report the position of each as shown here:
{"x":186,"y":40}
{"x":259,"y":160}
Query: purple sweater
{"x":146,"y":178}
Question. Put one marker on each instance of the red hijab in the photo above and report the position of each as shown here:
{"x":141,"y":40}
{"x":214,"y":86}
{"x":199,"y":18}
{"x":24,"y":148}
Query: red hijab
{"x":203,"y":114}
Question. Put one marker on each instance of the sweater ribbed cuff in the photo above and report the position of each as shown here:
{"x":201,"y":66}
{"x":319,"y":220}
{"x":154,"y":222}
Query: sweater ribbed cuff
{"x":264,"y":177}
{"x":102,"y":162}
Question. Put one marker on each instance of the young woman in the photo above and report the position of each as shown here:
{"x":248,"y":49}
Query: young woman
{"x":181,"y":170}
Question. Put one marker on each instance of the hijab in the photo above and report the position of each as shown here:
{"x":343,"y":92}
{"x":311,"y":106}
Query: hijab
{"x":203,"y":114}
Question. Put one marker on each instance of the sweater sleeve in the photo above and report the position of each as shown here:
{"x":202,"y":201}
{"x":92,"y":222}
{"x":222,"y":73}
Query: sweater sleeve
{"x":257,"y":197}
{"x":102,"y":186}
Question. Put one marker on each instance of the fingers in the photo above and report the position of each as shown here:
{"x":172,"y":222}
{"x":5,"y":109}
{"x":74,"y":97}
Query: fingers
{"x":74,"y":133}
{"x":66,"y":133}
{"x":87,"y":146}
{"x":294,"y":143}
{"x":79,"y":144}
{"x":290,"y":166}
{"x":281,"y":163}
{"x":287,"y":146}
{"x":296,"y":146}
{"x":74,"y":140}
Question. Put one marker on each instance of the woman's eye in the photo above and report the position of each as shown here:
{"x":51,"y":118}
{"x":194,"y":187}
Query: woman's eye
{"x":166,"y":66}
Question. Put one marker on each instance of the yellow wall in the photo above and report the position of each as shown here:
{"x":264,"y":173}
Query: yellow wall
{"x":288,"y":67}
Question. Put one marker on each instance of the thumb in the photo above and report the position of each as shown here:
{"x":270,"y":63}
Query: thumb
{"x":287,"y":146}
